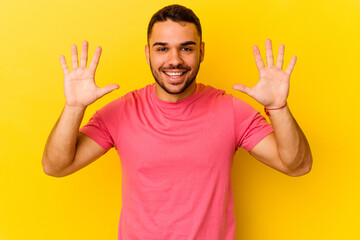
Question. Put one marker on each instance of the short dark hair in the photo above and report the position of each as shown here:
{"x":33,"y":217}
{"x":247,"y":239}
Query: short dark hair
{"x":176,"y":13}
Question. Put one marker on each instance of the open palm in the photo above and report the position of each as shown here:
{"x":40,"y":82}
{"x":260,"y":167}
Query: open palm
{"x":272,"y":89}
{"x":79,"y":83}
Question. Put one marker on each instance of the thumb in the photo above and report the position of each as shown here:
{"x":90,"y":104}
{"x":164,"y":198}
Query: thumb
{"x":242,"y":88}
{"x":107,"y":89}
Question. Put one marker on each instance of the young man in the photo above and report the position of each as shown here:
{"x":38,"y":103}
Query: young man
{"x":176,"y":138}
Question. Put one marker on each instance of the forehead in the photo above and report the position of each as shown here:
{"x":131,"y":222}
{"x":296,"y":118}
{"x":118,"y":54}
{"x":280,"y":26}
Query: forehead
{"x":173,"y":32}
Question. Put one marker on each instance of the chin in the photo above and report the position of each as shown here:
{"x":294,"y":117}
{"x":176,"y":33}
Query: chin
{"x":176,"y":88}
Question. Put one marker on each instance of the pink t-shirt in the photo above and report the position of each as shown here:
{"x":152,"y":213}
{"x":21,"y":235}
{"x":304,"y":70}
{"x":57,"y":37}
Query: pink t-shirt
{"x":176,"y":160}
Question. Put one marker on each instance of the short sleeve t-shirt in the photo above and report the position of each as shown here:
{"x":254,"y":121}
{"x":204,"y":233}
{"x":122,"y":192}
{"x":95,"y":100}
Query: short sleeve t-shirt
{"x":176,"y":160}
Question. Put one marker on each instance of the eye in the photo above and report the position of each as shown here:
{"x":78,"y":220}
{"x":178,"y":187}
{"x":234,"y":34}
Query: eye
{"x":162,"y":49}
{"x":186,"y":49}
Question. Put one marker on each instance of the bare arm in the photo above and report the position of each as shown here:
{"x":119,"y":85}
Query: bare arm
{"x":287,"y":149}
{"x":67,"y":150}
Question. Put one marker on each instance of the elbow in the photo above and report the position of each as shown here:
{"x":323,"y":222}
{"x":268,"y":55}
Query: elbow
{"x":48,"y":170}
{"x":300,"y":163}
{"x":300,"y":172}
{"x":303,"y":169}
{"x":51,"y":173}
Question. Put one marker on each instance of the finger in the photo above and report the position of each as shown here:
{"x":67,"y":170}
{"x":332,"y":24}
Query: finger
{"x":269,"y":53}
{"x":259,"y":62}
{"x":74,"y":56}
{"x":291,"y":65}
{"x":84,"y":54}
{"x":95,"y":60}
{"x":242,"y":88}
{"x":64,"y":65}
{"x":105,"y":90}
{"x":280,"y":58}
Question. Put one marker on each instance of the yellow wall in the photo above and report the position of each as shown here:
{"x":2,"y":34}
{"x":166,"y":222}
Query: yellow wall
{"x":269,"y":205}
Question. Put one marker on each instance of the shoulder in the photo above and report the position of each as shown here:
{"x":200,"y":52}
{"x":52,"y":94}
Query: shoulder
{"x":138,"y":94}
{"x":133,"y":96}
{"x":211,"y":95}
{"x":129,"y":100}
{"x":239,"y":107}
{"x":207,"y":90}
{"x":220,"y":95}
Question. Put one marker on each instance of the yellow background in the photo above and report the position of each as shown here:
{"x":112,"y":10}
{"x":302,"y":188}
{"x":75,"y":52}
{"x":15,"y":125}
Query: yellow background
{"x":324,"y":35}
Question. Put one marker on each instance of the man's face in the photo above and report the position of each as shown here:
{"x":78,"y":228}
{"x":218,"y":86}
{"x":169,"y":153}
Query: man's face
{"x":174,"y":54}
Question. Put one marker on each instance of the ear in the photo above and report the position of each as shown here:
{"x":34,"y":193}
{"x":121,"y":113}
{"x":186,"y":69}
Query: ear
{"x":147,"y":54}
{"x":202,"y":51}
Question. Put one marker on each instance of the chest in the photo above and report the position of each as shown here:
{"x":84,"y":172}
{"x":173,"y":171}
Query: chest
{"x":156,"y":145}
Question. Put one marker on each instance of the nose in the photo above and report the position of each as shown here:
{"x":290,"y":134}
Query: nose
{"x":175,"y":58}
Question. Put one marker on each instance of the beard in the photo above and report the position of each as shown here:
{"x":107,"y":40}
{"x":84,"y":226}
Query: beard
{"x":188,"y":81}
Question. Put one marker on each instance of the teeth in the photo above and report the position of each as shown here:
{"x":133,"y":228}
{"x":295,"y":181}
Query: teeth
{"x":173,"y":74}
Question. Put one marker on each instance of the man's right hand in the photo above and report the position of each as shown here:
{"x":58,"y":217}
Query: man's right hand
{"x":79,"y":83}
{"x":67,"y":150}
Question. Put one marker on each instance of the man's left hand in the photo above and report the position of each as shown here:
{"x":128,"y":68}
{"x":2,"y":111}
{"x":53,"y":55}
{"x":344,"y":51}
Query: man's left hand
{"x":272,"y":89}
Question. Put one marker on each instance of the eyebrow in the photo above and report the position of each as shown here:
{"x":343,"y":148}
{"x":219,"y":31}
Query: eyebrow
{"x":182,"y":44}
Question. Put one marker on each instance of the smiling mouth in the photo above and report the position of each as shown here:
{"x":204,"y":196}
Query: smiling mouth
{"x":174,"y":74}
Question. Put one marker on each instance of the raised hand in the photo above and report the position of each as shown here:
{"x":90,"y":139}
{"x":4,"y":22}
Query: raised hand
{"x":79,"y":83}
{"x":272,"y":89}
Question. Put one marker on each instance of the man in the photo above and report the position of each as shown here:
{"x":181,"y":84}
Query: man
{"x":176,"y":138}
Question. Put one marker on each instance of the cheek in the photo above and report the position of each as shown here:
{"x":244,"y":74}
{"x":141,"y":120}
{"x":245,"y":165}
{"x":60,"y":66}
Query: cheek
{"x":156,"y":62}
{"x":193,"y":61}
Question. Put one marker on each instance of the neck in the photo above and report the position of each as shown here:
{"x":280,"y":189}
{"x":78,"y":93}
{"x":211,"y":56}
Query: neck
{"x":165,"y":96}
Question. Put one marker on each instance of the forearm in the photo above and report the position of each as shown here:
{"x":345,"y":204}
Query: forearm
{"x":60,"y":147}
{"x":293,"y":147}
